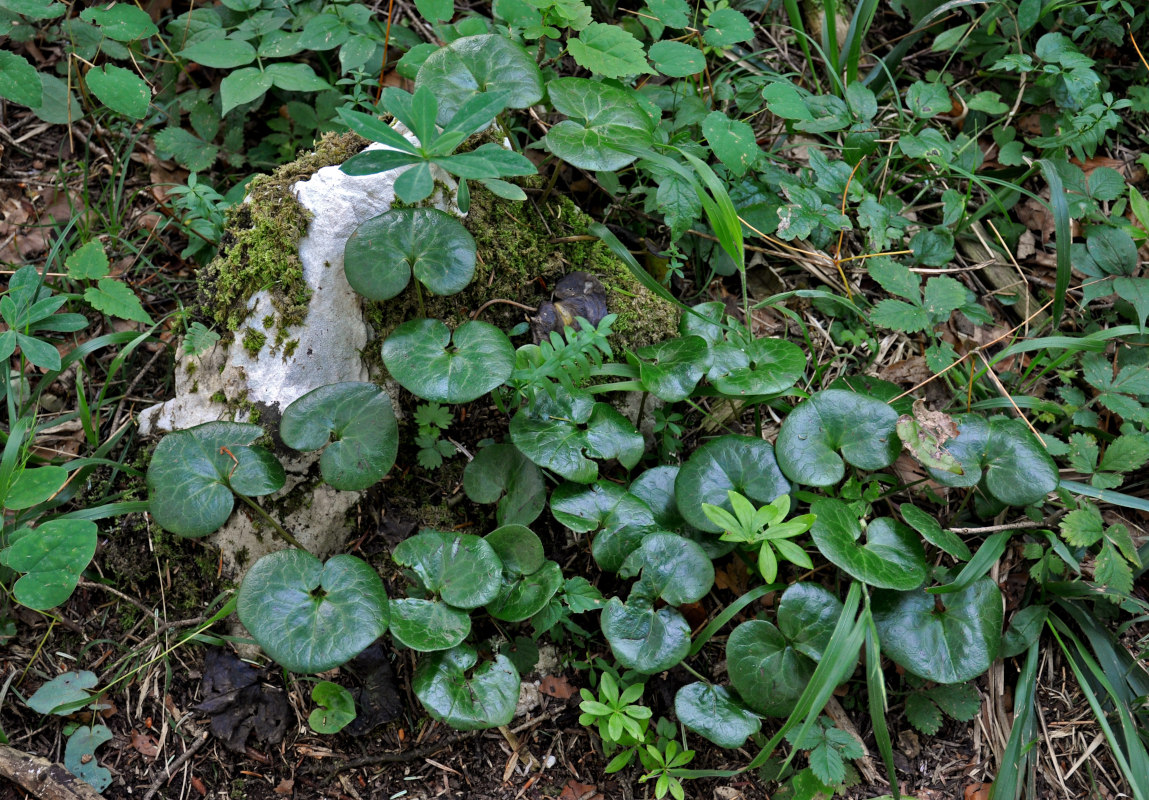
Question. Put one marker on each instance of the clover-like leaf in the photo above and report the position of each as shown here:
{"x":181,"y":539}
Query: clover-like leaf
{"x":775,"y":365}
{"x":459,"y":567}
{"x":383,"y":252}
{"x":500,"y":473}
{"x":1002,"y":455}
{"x":766,"y":670}
{"x":52,"y":556}
{"x":336,"y":708}
{"x":830,"y":422}
{"x":891,"y":558}
{"x":193,"y":472}
{"x":428,"y":361}
{"x":643,"y":638}
{"x":467,"y":698}
{"x":361,"y":421}
{"x":480,"y":64}
{"x":947,"y":639}
{"x":620,"y":519}
{"x":743,"y":464}
{"x":310,"y":616}
{"x":712,"y":711}
{"x":607,"y":126}
{"x":673,"y":568}
{"x":428,"y":625}
{"x":671,"y":369}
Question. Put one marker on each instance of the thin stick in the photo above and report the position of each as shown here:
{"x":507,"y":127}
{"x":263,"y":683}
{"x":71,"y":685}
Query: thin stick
{"x":180,"y":760}
{"x":490,"y":303}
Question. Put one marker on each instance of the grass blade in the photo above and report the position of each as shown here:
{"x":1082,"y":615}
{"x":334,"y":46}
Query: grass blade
{"x":1019,"y":759}
{"x":876,"y":694}
{"x":1060,"y":208}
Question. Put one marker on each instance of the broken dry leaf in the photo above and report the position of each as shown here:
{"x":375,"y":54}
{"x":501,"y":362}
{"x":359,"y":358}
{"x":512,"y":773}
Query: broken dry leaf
{"x":557,"y":686}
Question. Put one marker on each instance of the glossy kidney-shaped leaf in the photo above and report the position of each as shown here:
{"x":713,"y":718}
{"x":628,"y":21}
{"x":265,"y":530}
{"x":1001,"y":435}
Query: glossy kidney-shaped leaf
{"x":525,"y":595}
{"x":643,"y":638}
{"x":767,"y":671}
{"x":192,"y":473}
{"x":807,"y":614}
{"x":607,"y":128}
{"x":563,"y":445}
{"x":310,"y":616}
{"x":34,"y":485}
{"x":428,"y":361}
{"x":52,"y":556}
{"x":518,"y":547}
{"x":891,"y":557}
{"x":775,"y":366}
{"x":383,"y":252}
{"x":361,"y":421}
{"x":336,"y":708}
{"x":673,"y":568}
{"x":467,"y":699}
{"x":670,"y":370}
{"x":620,"y":519}
{"x":713,"y":712}
{"x":428,"y":625}
{"x":830,"y":422}
{"x":478,"y":64}
{"x":947,"y":639}
{"x":1004,"y":456}
{"x":459,"y":567}
{"x":743,"y":464}
{"x":500,"y":473}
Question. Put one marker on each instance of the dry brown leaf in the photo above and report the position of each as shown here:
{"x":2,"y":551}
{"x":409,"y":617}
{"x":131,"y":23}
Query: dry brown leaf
{"x":197,"y":784}
{"x":977,"y":791}
{"x":573,"y":790}
{"x":286,"y":787}
{"x":734,"y":576}
{"x":557,"y":686}
{"x":144,"y":744}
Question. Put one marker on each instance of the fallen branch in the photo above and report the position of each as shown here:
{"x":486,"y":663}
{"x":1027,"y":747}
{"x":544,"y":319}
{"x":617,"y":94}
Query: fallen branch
{"x":43,"y":778}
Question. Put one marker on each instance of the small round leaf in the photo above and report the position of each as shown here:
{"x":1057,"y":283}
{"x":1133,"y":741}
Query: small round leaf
{"x":311,"y":616}
{"x":713,"y":712}
{"x":776,"y":365}
{"x":53,"y":556}
{"x":518,"y":547}
{"x":424,"y":357}
{"x":891,"y":558}
{"x":607,"y":130}
{"x":830,"y":422}
{"x":360,"y":419}
{"x":526,"y":595}
{"x":643,"y":638}
{"x":463,"y":698}
{"x":192,"y":471}
{"x":807,"y":614}
{"x":336,"y":708}
{"x":620,"y":519}
{"x":670,"y":370}
{"x":1004,"y":456}
{"x":459,"y":567}
{"x":948,"y":643}
{"x":383,"y":251}
{"x":500,"y":473}
{"x":743,"y":464}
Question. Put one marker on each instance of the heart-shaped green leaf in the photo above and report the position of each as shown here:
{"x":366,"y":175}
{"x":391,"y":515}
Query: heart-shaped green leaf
{"x":944,"y":638}
{"x":861,"y":428}
{"x":891,"y":558}
{"x":360,"y":419}
{"x":53,"y":556}
{"x":767,"y":671}
{"x":431,"y":363}
{"x":712,"y":711}
{"x":80,"y":756}
{"x":383,"y":252}
{"x":467,"y":699}
{"x":643,"y":638}
{"x":607,"y":128}
{"x":518,"y":547}
{"x":428,"y":625}
{"x":560,"y":442}
{"x":655,"y":487}
{"x":336,"y":708}
{"x":671,"y":369}
{"x":620,"y":519}
{"x":479,"y":64}
{"x":775,"y":366}
{"x":525,"y":595}
{"x":35,"y":485}
{"x":742,"y":464}
{"x":673,"y":568}
{"x":807,"y":614}
{"x":459,"y":567}
{"x":500,"y":473}
{"x":70,"y":687}
{"x":310,"y":616}
{"x":1004,"y":456}
{"x":192,"y":474}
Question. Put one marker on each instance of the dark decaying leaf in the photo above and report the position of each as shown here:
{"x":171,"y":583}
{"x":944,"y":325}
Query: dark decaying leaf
{"x":239,"y":701}
{"x":377,"y":698}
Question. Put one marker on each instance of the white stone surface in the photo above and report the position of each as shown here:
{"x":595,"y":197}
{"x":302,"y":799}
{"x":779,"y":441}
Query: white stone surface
{"x":331,"y":340}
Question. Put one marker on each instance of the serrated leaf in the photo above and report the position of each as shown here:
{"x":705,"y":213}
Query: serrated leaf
{"x":120,"y":90}
{"x":958,"y":700}
{"x":1112,"y":571}
{"x":944,"y":295}
{"x":190,"y":152}
{"x":89,"y":262}
{"x":199,"y":339}
{"x":923,"y":714}
{"x":116,"y":300}
{"x":901,"y":316}
{"x":609,"y":51}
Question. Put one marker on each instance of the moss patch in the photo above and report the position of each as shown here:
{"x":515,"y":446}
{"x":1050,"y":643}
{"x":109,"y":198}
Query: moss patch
{"x":260,"y":244}
{"x":253,"y":341}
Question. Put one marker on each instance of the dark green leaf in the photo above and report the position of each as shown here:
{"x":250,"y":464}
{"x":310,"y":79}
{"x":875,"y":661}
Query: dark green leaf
{"x":19,"y":81}
{"x":428,"y":625}
{"x":891,"y":558}
{"x":220,"y":53}
{"x":609,"y":51}
{"x":713,"y":712}
{"x":527,"y":594}
{"x":52,"y":556}
{"x":620,"y":519}
{"x":732,"y":141}
{"x":729,"y":463}
{"x":807,"y":614}
{"x":479,"y":64}
{"x":645,"y":639}
{"x":460,"y":567}
{"x":676,"y":59}
{"x":766,"y":670}
{"x":464,"y":697}
{"x":607,"y":125}
{"x":500,"y":473}
{"x":428,"y":361}
{"x":1004,"y":456}
{"x":673,"y":568}
{"x":830,"y":422}
{"x":671,"y":369}
{"x":383,"y":251}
